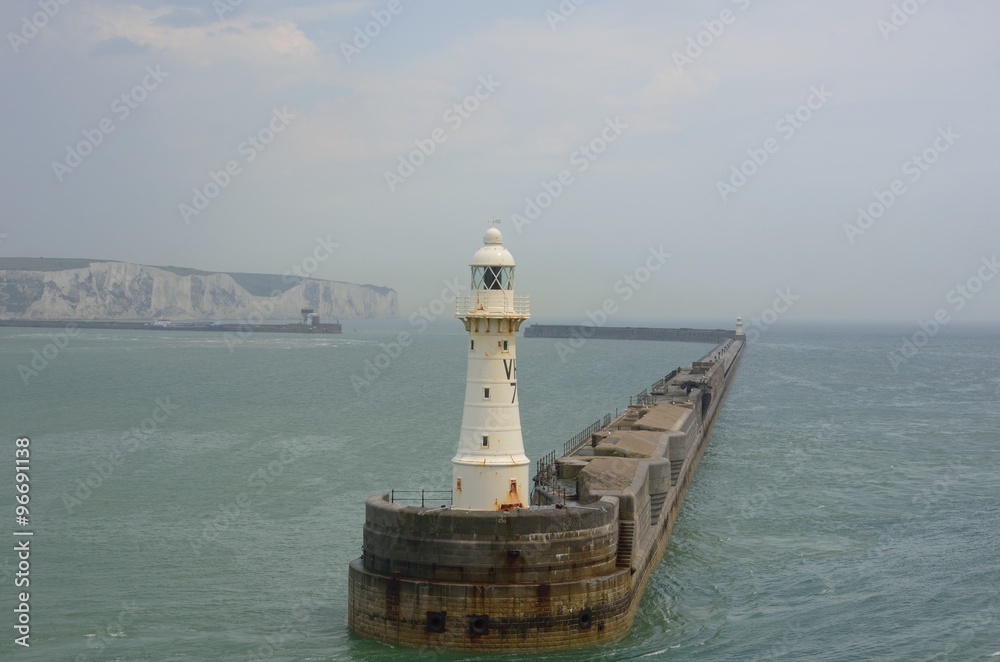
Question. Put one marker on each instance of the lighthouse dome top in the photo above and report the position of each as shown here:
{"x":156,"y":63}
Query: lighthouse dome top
{"x":492,"y":254}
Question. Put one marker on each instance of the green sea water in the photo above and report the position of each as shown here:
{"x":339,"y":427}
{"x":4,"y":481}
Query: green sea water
{"x":193,"y":499}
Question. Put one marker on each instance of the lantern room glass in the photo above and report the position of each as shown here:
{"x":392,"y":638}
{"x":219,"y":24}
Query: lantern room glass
{"x":493,"y":278}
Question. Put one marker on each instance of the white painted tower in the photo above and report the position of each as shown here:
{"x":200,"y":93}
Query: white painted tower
{"x":491,"y":469}
{"x":739,"y":328}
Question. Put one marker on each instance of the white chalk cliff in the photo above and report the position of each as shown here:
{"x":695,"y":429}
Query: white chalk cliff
{"x":125,"y":291}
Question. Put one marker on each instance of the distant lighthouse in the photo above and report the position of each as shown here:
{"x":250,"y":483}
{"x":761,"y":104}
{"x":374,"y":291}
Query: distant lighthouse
{"x":490,"y":467}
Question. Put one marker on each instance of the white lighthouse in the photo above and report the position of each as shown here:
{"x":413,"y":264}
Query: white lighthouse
{"x":491,"y":469}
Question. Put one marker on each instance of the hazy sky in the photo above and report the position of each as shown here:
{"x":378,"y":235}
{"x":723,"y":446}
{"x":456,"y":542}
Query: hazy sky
{"x":119,"y":117}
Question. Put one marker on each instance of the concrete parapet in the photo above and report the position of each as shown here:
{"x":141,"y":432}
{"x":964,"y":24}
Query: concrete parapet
{"x":538,"y":578}
{"x":677,"y":446}
{"x":570,"y":467}
{"x":540,"y":544}
{"x":663,"y":417}
{"x":659,"y":475}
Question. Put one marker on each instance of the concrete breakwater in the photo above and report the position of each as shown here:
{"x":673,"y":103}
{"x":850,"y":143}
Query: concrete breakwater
{"x":568,"y":571}
{"x":627,"y":333}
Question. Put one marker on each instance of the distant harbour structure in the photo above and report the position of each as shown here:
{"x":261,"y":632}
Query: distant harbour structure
{"x":588,"y":332}
{"x":310,"y":317}
{"x":487,"y":565}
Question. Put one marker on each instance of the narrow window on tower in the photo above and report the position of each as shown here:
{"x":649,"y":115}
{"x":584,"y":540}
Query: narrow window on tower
{"x":505,"y":345}
{"x":486,"y":441}
{"x":472,"y":345}
{"x":486,"y":393}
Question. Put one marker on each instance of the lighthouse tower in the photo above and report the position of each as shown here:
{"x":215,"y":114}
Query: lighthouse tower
{"x":490,"y":467}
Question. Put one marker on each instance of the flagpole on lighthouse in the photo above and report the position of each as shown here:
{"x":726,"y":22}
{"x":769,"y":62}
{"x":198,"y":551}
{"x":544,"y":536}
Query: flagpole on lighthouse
{"x":490,"y":467}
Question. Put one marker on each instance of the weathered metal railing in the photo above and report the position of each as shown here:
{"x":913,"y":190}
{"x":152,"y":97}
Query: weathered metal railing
{"x":545,"y":468}
{"x":643,"y":398}
{"x":661,"y":383}
{"x":436,"y":497}
{"x":583,"y":436}
{"x":546,"y":474}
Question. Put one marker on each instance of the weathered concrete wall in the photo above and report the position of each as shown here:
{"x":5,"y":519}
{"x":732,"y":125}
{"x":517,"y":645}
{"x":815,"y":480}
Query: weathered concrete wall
{"x":490,"y":617}
{"x":518,"y":546}
{"x":533,"y":579}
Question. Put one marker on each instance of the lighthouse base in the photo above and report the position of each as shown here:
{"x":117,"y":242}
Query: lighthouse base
{"x":538,"y":578}
{"x":480,"y":486}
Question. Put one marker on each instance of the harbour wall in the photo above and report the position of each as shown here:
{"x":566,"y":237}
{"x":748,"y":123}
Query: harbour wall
{"x":627,"y":333}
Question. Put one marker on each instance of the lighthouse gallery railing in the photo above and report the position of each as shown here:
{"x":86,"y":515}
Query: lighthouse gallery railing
{"x":490,"y":303}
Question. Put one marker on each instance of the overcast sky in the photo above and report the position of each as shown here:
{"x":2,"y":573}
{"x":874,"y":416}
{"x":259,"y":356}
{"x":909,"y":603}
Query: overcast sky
{"x":718,"y":150}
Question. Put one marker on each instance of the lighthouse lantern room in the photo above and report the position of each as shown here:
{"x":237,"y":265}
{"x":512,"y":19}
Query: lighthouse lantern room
{"x":490,"y":467}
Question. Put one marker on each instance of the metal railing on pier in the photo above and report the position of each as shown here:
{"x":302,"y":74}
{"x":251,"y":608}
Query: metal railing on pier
{"x":423,"y":497}
{"x":661,"y":383}
{"x":583,"y":436}
{"x":545,"y":468}
{"x":643,"y":398}
{"x":547,"y":480}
